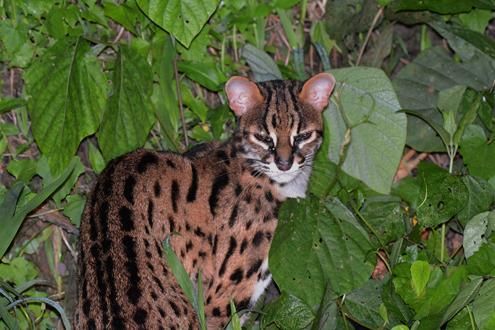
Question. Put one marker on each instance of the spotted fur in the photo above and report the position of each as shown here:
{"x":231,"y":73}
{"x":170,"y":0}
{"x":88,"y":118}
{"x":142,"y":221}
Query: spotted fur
{"x":218,"y":204}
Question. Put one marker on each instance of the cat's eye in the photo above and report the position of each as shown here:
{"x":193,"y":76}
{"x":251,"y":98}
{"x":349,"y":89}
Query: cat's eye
{"x":264,"y":138}
{"x":302,"y":137}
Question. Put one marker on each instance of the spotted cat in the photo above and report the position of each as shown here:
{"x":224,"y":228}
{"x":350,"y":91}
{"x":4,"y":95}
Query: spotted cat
{"x":217,"y":203}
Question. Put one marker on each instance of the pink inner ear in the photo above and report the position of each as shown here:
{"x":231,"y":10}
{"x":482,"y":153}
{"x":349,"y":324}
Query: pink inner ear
{"x":242,"y":94}
{"x":317,"y":90}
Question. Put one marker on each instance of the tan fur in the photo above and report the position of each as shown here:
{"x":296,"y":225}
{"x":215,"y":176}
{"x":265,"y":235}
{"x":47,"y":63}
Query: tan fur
{"x":218,"y":209}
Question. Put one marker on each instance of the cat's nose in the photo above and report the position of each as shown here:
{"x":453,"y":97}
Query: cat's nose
{"x":283,"y":164}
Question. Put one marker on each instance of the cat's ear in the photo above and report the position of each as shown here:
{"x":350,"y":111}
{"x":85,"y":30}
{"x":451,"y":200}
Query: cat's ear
{"x":243,"y":95}
{"x":317,"y":90}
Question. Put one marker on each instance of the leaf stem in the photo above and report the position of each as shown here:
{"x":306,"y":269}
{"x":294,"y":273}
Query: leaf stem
{"x":442,"y":244}
{"x":368,"y":35}
{"x":179,"y":96}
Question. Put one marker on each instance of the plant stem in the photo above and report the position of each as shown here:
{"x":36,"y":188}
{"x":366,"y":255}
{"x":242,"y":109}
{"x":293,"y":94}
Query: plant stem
{"x":368,"y":35}
{"x":442,"y":244}
{"x":179,"y":97}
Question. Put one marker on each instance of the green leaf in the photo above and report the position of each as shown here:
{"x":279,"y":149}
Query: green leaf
{"x":484,"y":305}
{"x":467,"y":294}
{"x":22,"y":169}
{"x":179,"y":271}
{"x":318,"y":243}
{"x":363,"y":304}
{"x":476,"y":232}
{"x":442,"y":195}
{"x":482,"y":262}
{"x":164,"y":97}
{"x":328,"y":316}
{"x":183,"y":19}
{"x":129,"y":114}
{"x":477,"y":152}
{"x":68,"y":92}
{"x":476,"y":20}
{"x":365,"y":102}
{"x":74,"y":208}
{"x":437,"y":6}
{"x":417,"y":86}
{"x":420,"y":275}
{"x":384,"y":214}
{"x":51,"y":303}
{"x":288,"y":312}
{"x":205,"y":74}
{"x":12,"y":221}
{"x":10,"y":104}
{"x":261,"y":64}
{"x":96,"y":159}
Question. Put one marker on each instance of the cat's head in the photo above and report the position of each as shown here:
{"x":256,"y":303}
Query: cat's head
{"x":280,"y":123}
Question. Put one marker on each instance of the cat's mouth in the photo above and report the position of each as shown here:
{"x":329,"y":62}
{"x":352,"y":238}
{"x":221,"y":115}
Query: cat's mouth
{"x":279,"y":176}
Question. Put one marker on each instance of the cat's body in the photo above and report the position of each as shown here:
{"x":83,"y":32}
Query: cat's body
{"x":218,"y":204}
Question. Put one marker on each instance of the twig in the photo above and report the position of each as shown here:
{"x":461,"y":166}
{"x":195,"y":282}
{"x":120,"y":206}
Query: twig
{"x":67,"y":244}
{"x":368,"y":35}
{"x":179,"y":97}
{"x":119,"y":35}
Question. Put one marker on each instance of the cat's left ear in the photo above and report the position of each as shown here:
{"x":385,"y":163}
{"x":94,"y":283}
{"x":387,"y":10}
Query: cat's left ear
{"x":317,"y":90}
{"x":243,"y":95}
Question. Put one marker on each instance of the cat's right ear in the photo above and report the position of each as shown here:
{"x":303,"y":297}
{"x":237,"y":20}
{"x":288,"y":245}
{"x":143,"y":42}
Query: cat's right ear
{"x":243,"y":95}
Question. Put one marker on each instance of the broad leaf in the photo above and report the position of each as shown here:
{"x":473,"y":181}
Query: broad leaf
{"x":484,"y":306}
{"x":482,"y":262}
{"x":129,"y":114}
{"x":417,"y":86}
{"x":205,"y":74}
{"x":262,"y":65}
{"x":68,"y":92}
{"x":363,"y":304}
{"x":437,"y":6}
{"x":183,"y":19}
{"x":467,"y":294}
{"x":318,"y":244}
{"x":288,"y":312}
{"x":442,"y":195}
{"x":475,"y":232}
{"x":477,"y":152}
{"x":365,"y":103}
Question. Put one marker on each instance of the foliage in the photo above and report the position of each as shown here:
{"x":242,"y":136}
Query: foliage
{"x":84,"y":82}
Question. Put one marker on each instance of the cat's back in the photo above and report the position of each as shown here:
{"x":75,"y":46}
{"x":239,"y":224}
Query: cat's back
{"x":125,"y":281}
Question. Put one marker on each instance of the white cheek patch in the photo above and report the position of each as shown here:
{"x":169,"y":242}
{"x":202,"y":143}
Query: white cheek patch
{"x":283,"y":176}
{"x":274,"y":138}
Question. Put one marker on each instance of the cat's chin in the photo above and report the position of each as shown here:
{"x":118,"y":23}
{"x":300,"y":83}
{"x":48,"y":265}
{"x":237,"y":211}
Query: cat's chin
{"x":295,"y":183}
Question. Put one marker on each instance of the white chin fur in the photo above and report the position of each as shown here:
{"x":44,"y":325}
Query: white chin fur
{"x":293,"y":183}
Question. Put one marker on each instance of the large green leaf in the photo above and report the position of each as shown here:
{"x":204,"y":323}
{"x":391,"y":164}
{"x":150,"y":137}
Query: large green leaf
{"x":363,"y":304}
{"x":288,"y":312}
{"x":68,"y":92}
{"x":129,"y":114}
{"x":367,"y":99}
{"x":442,"y":195}
{"x":484,"y":305}
{"x":477,"y":152}
{"x":318,"y":243}
{"x":418,"y":84}
{"x":261,"y":64}
{"x":184,"y":19}
{"x":481,"y":196}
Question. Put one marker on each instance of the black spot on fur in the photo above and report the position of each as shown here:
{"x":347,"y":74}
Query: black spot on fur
{"x":189,"y":246}
{"x":248,"y":224}
{"x":193,"y":188}
{"x":220,"y":182}
{"x":171,"y":164}
{"x":157,"y":189}
{"x":216,"y":312}
{"x":171,"y":222}
{"x":243,"y":304}
{"x":140,"y":316}
{"x":244,"y":245}
{"x":150,"y":212}
{"x":162,"y":312}
{"x":146,"y":161}
{"x":254,"y":268}
{"x":126,"y":221}
{"x":218,"y":288}
{"x":215,"y":245}
{"x":230,"y":252}
{"x":198,"y":232}
{"x":129,"y":185}
{"x":202,"y":254}
{"x":269,"y":196}
{"x":175,"y":195}
{"x":233,"y":216}
{"x":258,"y":238}
{"x":237,"y":275}
{"x":238,"y":189}
{"x":175,"y":308}
{"x":222,"y":156}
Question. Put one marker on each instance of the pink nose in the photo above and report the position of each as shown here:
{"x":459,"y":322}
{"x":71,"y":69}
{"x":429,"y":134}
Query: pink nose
{"x":283,"y":164}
